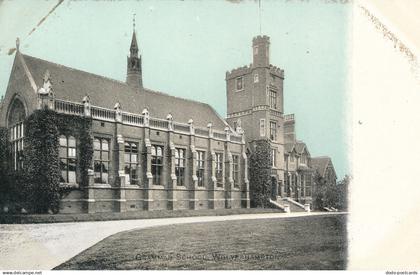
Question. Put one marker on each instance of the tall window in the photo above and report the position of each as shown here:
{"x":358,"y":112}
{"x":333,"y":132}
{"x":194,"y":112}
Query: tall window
{"x":157,"y":164}
{"x":262,"y":127}
{"x":131,"y":153}
{"x":273,"y":130}
{"x":273,"y":99}
{"x":200,"y":168}
{"x":273,"y":157}
{"x":16,"y":142}
{"x":235,"y":171}
{"x":180,"y":166}
{"x":308,"y":185}
{"x":302,"y":185}
{"x":256,"y":78}
{"x":292,"y":158}
{"x":239,"y":84}
{"x":219,"y":169}
{"x":67,"y":155}
{"x":101,"y":159}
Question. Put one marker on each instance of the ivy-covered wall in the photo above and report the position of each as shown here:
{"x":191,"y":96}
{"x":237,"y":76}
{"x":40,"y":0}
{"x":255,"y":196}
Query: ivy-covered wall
{"x":260,"y":174}
{"x":37,"y":187}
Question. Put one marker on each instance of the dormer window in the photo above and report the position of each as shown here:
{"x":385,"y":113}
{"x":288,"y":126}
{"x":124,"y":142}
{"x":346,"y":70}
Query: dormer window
{"x":239,"y":83}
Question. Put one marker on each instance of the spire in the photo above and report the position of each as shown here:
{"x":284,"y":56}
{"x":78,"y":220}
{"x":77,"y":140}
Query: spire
{"x":134,"y":48}
{"x":134,"y":75}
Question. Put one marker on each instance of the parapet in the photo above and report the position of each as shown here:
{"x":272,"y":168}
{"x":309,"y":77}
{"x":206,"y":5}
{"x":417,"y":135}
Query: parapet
{"x":238,"y":72}
{"x":276,"y":71}
{"x":289,"y":118}
{"x":260,"y":39}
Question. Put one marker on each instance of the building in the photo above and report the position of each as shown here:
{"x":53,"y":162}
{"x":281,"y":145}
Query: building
{"x":255,"y":104}
{"x":154,"y":151}
{"x":151,"y":150}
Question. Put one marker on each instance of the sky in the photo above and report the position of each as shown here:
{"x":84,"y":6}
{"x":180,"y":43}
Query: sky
{"x":187,"y":47}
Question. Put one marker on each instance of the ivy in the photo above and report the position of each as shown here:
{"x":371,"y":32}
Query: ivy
{"x":260,"y":174}
{"x":41,"y":162}
{"x":37,"y":187}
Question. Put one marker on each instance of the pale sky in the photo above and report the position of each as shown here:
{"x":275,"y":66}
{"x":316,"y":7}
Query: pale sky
{"x":187,"y":46}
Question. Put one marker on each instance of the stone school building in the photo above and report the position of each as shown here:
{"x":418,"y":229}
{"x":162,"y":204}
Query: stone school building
{"x":154,"y":151}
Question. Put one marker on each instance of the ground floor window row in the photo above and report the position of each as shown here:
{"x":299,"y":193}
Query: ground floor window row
{"x":298,"y":185}
{"x":133,"y":167}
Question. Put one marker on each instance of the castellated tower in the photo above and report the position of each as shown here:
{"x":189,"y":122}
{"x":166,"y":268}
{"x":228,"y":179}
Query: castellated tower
{"x":255,"y":103}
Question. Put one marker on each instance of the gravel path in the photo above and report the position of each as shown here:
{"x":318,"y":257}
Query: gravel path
{"x":44,"y":246}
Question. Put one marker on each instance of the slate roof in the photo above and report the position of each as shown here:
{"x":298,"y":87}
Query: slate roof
{"x":299,"y":146}
{"x":72,"y":85}
{"x":320,"y":164}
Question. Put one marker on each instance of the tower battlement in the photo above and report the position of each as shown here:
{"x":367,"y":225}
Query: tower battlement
{"x":238,"y":71}
{"x":276,"y":71}
{"x":261,"y":38}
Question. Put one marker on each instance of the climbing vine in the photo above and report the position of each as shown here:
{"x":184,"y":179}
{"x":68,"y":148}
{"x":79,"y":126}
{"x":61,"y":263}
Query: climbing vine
{"x":260,"y":174}
{"x":37,"y":187}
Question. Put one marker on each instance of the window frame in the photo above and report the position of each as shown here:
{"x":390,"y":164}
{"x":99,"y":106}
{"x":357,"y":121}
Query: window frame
{"x":157,"y":164}
{"x":69,"y":156}
{"x":17,"y":135}
{"x":272,"y":98}
{"x":131,"y":149}
{"x":235,"y":170}
{"x":219,"y":168}
{"x":180,"y":164}
{"x":273,"y":130}
{"x":101,"y":161}
{"x":239,"y":79}
{"x":200,"y":169}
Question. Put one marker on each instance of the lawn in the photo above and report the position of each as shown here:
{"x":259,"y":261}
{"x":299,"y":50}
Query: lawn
{"x":311,"y":242}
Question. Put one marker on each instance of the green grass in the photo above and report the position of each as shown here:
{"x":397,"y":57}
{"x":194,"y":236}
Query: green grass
{"x":312,"y":242}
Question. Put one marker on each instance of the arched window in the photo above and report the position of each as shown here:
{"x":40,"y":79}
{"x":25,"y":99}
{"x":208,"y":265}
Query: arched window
{"x":68,"y":159}
{"x":15,"y":123}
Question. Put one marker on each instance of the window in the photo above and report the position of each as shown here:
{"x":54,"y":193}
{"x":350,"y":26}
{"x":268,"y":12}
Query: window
{"x":219,"y":169}
{"x":180,"y":166}
{"x":101,"y":160}
{"x":235,"y":125}
{"x":239,"y":84}
{"x":200,"y":168}
{"x":235,"y":159}
{"x":255,"y":50}
{"x":262,"y":127}
{"x":303,"y":159}
{"x":292,"y":158}
{"x":131,"y":153}
{"x":308,"y":185}
{"x":273,"y":157}
{"x":256,"y":78}
{"x":302,"y":185}
{"x":157,"y":164}
{"x":16,"y":142}
{"x":273,"y":99}
{"x":67,"y":153}
{"x":273,"y":130}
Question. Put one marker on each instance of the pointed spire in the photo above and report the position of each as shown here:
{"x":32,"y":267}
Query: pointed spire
{"x":133,"y":47}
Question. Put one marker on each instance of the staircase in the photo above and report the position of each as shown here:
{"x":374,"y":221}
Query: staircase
{"x":293,"y":205}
